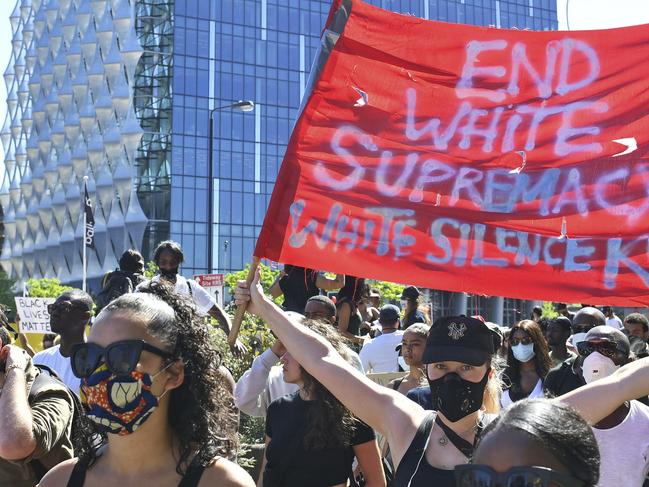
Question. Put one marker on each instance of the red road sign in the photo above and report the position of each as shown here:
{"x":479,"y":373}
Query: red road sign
{"x":209,"y":280}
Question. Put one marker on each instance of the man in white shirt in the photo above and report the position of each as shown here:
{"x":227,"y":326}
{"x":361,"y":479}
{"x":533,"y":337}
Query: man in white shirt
{"x":379,"y":355}
{"x":168,"y":256}
{"x":612,"y":319}
{"x":69,"y":316}
{"x":623,"y":436}
{"x":264,"y":381}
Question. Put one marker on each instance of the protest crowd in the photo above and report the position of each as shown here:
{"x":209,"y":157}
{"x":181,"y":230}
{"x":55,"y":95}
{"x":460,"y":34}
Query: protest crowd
{"x":354,"y":391}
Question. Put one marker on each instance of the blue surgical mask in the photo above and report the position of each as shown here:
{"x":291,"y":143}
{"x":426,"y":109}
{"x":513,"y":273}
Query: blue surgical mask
{"x":523,"y":353}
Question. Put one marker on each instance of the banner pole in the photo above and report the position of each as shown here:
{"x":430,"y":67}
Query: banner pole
{"x":241,"y":309}
{"x":83,"y":282}
{"x":85,"y":230}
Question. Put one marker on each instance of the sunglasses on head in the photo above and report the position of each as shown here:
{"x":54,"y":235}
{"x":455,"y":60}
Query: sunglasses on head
{"x":484,"y":476}
{"x":121,"y":358}
{"x":608,"y":349}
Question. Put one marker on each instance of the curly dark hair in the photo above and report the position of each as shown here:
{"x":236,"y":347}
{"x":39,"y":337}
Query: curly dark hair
{"x":330,"y":423}
{"x":200,"y":410}
{"x":171,"y":246}
{"x":542,"y":361}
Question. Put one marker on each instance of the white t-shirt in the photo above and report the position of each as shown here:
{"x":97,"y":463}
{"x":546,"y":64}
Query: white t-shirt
{"x":615,"y":322}
{"x":624,"y":449}
{"x":379,"y":355}
{"x":203,"y":300}
{"x":52,"y":358}
{"x":506,"y":401}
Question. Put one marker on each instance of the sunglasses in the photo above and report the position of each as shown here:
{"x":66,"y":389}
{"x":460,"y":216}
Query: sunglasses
{"x":608,"y":349}
{"x":524,"y":341}
{"x":121,"y":358}
{"x":65,"y":307}
{"x":484,"y":476}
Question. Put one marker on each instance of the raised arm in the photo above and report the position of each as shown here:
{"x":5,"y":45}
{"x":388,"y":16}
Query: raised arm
{"x":386,"y":411}
{"x":600,"y":398}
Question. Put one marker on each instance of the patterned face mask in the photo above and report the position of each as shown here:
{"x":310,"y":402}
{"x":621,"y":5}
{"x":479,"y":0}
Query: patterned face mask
{"x":118,"y":404}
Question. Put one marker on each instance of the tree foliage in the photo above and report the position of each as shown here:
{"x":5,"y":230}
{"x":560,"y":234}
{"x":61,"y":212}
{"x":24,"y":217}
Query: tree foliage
{"x":150,"y":270}
{"x":7,"y":292}
{"x":548,"y":310}
{"x":47,"y":287}
{"x":390,"y":292}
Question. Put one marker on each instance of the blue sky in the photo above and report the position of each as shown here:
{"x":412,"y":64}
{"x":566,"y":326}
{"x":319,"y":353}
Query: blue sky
{"x":582,"y":14}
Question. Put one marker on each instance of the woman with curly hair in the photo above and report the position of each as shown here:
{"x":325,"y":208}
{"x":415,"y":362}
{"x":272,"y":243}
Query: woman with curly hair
{"x":528,"y":362}
{"x":311,"y":438}
{"x":155,"y":403}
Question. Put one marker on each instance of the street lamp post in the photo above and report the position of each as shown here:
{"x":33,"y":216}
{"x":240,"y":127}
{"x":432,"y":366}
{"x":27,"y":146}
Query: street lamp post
{"x":243,"y":106}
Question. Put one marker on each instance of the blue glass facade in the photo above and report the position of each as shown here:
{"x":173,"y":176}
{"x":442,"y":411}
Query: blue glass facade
{"x":261,"y":50}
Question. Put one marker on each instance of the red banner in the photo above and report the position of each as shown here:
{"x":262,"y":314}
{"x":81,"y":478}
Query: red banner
{"x":498,"y":162}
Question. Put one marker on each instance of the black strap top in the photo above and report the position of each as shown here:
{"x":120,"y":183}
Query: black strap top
{"x":414,"y":470}
{"x":191,"y":478}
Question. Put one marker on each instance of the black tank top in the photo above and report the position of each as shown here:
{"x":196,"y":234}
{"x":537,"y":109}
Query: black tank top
{"x":414,"y":470}
{"x":191,"y":478}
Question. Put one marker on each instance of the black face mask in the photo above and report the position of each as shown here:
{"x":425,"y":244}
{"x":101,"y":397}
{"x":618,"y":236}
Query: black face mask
{"x":455,"y":397}
{"x":169,"y":273}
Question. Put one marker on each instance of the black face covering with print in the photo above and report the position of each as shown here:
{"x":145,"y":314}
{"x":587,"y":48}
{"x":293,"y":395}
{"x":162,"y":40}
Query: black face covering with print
{"x":455,"y":397}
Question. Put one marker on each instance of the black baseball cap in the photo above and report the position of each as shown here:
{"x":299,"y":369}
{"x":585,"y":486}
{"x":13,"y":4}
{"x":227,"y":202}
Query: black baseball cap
{"x":389,"y":314}
{"x":460,"y":339}
{"x":410,"y":292}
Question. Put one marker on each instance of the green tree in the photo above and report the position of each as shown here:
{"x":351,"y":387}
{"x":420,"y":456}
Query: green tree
{"x":7,"y":292}
{"x":47,"y":287}
{"x":256,"y":335}
{"x":390,"y":292}
{"x":150,"y":270}
{"x":548,"y":310}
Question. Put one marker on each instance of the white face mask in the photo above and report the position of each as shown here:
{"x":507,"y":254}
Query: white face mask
{"x":523,"y":353}
{"x":597,"y":366}
{"x":577,"y":337}
{"x":402,"y":363}
{"x":404,"y":304}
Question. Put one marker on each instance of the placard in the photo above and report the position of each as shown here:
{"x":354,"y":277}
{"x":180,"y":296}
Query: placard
{"x":34,"y":317}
